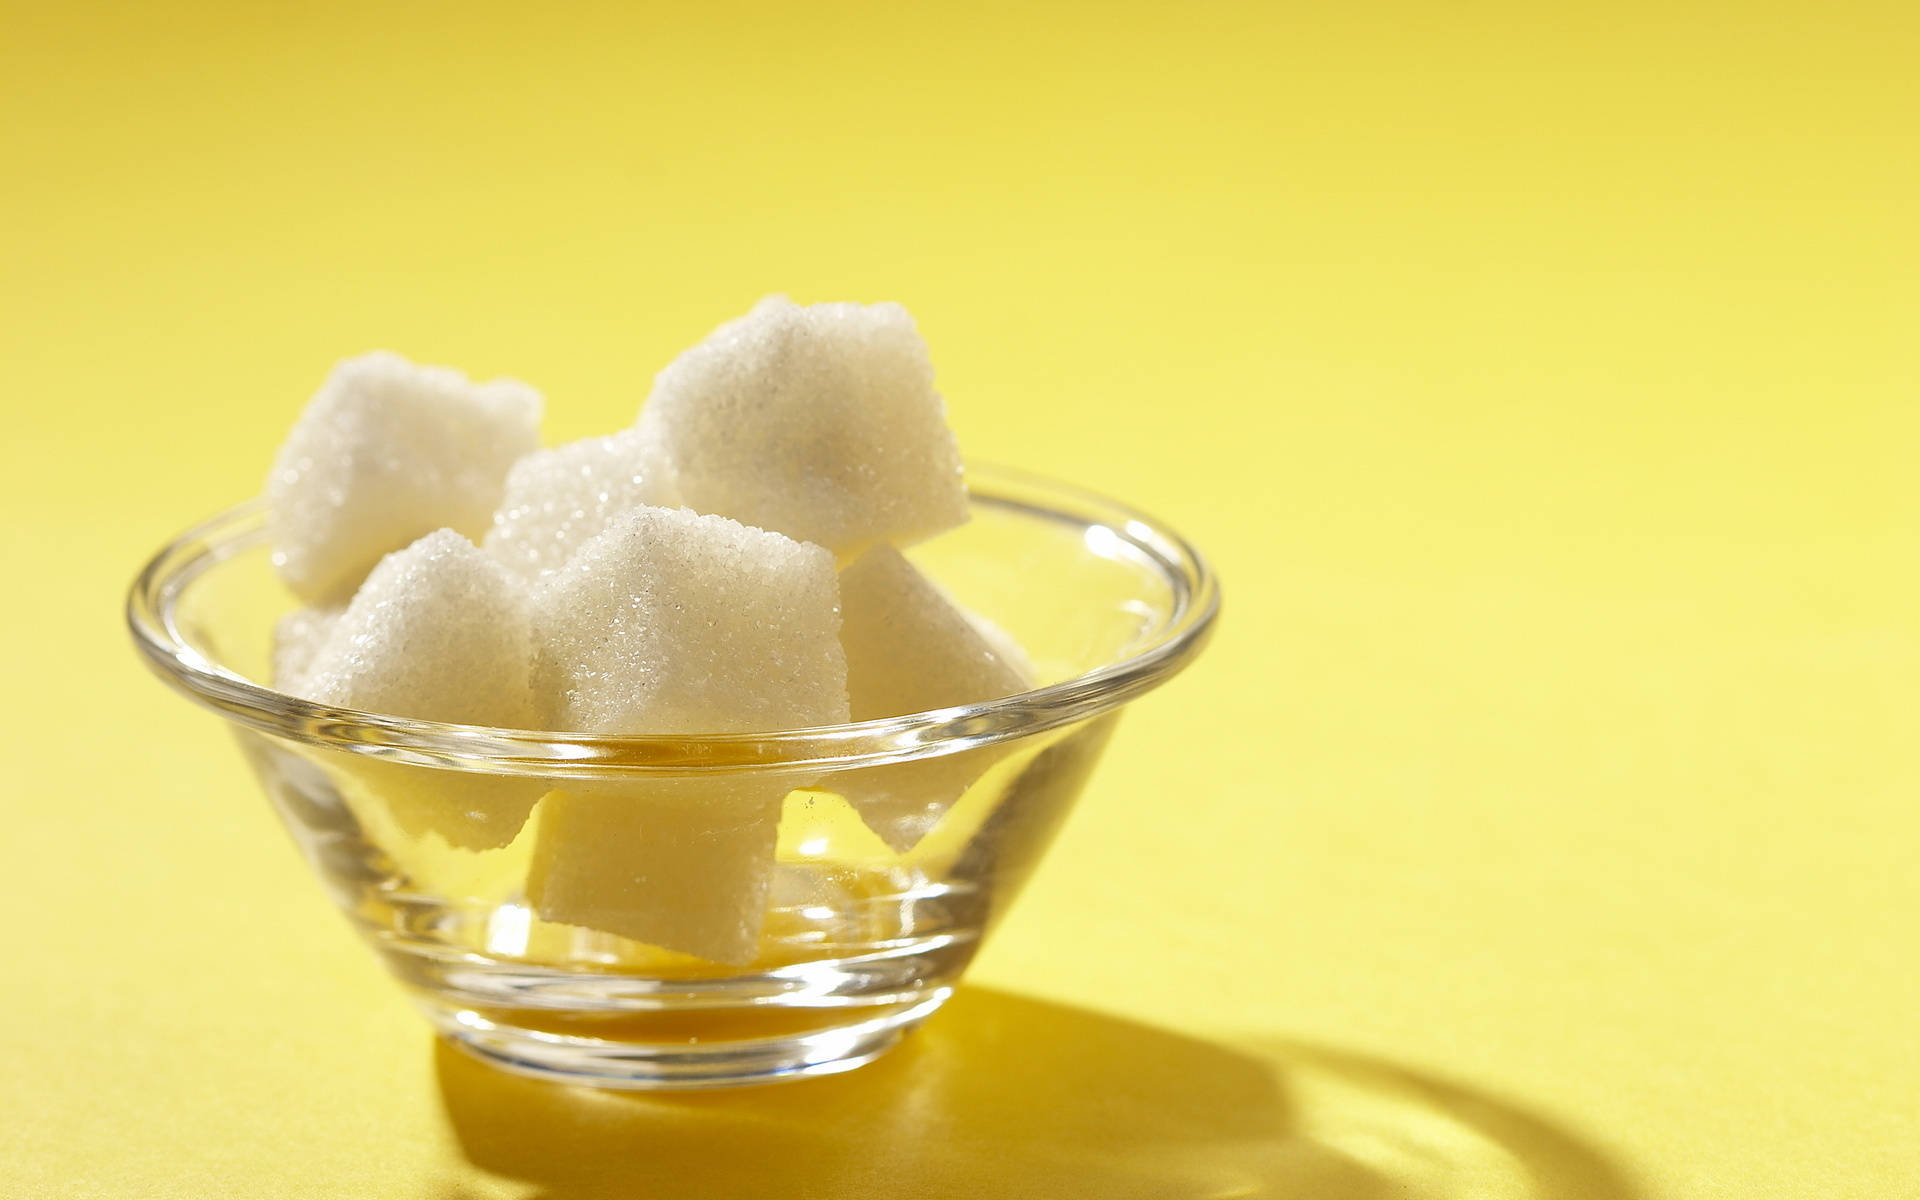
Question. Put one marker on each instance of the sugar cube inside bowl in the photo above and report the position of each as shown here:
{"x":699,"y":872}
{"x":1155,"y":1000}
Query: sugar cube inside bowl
{"x":439,"y":631}
{"x":674,"y":622}
{"x":911,"y":649}
{"x":385,"y":452}
{"x":297,"y":638}
{"x":819,"y":421}
{"x":683,"y":864}
{"x":555,"y":500}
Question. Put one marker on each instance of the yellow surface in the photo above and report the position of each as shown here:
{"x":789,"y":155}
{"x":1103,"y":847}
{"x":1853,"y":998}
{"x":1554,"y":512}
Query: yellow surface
{"x":1542,"y":822}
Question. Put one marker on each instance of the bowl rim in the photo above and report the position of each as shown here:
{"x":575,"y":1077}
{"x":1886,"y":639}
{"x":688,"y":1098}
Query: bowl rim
{"x":1155,"y":656}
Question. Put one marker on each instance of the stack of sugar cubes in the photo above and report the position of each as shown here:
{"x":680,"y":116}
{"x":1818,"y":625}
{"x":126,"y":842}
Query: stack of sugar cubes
{"x":729,"y":564}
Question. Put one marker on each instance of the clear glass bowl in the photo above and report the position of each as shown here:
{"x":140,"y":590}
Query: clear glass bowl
{"x":857,"y":942}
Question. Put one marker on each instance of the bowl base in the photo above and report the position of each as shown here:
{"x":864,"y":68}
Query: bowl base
{"x":688,"y":1063}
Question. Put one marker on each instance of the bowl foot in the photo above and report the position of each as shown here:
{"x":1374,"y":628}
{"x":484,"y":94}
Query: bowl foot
{"x":689,"y":1062}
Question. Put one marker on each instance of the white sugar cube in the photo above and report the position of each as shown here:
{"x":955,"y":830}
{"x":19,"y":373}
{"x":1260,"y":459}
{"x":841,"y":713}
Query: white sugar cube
{"x":556,"y":499}
{"x":819,"y":422}
{"x":1004,"y":645}
{"x":385,"y":452}
{"x":466,"y":810}
{"x":671,"y":622}
{"x":683,"y":865}
{"x":297,"y":638}
{"x":439,"y":632}
{"x":910,"y":649}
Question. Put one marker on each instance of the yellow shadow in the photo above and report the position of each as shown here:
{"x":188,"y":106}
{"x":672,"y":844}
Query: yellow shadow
{"x":1005,"y":1096}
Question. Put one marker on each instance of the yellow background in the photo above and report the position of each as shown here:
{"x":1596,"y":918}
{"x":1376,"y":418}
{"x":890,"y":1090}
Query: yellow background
{"x":1541,"y":378}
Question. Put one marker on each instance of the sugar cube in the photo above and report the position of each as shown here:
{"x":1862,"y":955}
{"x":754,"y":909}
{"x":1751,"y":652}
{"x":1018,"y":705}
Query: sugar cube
{"x":672,"y":622}
{"x":297,"y":637}
{"x":910,"y":649}
{"x":819,"y":422}
{"x":556,"y":499}
{"x":385,"y":452}
{"x":1003,"y":645}
{"x":439,"y":631}
{"x":683,"y":864}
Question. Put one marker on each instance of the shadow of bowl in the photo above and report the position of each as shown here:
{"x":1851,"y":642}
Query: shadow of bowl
{"x":1004,"y":1096}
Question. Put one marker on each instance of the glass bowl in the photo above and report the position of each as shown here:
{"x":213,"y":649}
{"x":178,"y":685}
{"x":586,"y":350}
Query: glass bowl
{"x":425,"y":834}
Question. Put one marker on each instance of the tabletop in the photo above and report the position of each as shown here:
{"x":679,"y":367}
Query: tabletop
{"x":1541,"y":380}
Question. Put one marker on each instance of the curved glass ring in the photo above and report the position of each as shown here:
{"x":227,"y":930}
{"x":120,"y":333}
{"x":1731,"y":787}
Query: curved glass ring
{"x":1162,"y":650}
